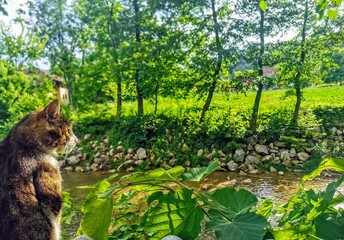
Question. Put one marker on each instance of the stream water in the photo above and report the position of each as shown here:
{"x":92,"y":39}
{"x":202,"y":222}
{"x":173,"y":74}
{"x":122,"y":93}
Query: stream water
{"x":277,"y":187}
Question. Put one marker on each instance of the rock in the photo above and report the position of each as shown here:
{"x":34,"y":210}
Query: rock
{"x":112,"y":171}
{"x":111,"y":152}
{"x":130,"y":151}
{"x":206,"y":187}
{"x":185,"y":148}
{"x":170,"y":155}
{"x":267,"y":158}
{"x":209,"y":156}
{"x":81,"y":237}
{"x":129,"y":163}
{"x":97,"y":155}
{"x":84,"y":157}
{"x":250,"y":147}
{"x":130,"y":169}
{"x":221,"y":154}
{"x":120,"y":148}
{"x":261,"y":149}
{"x":250,"y":159}
{"x":253,"y":171}
{"x":231,"y":183}
{"x":166,"y":166}
{"x":200,"y":152}
{"x":239,"y":155}
{"x":287,"y":162}
{"x":136,"y":157}
{"x":128,"y":156}
{"x":285,"y":155}
{"x":171,"y":237}
{"x":106,"y":141}
{"x":173,"y":162}
{"x":141,"y":153}
{"x":79,"y":169}
{"x":281,"y":173}
{"x":334,"y":130}
{"x":339,"y":133}
{"x":69,"y":169}
{"x":98,"y":160}
{"x":303,"y":156}
{"x":292,"y":152}
{"x":272,"y":169}
{"x":139,"y":162}
{"x":232,"y":166}
{"x":187,"y":163}
{"x":87,"y":136}
{"x":247,"y":181}
{"x":253,"y":140}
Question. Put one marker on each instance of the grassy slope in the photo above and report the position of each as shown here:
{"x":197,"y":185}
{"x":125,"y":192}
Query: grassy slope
{"x":275,"y":99}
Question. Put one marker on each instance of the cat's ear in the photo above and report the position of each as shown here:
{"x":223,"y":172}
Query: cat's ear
{"x":52,"y":110}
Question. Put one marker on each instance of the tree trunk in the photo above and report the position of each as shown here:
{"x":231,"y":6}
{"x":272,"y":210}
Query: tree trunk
{"x":119,"y":98}
{"x":299,"y":72}
{"x":139,"y":89}
{"x":218,"y":64}
{"x":253,"y":123}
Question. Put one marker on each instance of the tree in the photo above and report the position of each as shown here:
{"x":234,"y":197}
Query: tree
{"x":256,"y":21}
{"x":55,"y":23}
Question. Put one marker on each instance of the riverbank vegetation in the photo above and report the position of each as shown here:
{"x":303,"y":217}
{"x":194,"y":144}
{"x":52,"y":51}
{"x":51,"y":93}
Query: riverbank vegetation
{"x":157,"y":203}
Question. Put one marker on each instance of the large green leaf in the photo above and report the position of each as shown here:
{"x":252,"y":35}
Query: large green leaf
{"x":154,"y":175}
{"x":175,"y":214}
{"x":328,"y":229}
{"x":232,"y":202}
{"x":197,"y":174}
{"x":246,"y":226}
{"x":326,"y":164}
{"x":96,"y":213}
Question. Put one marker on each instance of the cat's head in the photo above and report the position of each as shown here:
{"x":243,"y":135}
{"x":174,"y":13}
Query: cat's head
{"x":46,"y":130}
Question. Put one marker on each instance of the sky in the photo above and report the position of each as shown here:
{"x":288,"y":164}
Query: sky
{"x":11,"y":8}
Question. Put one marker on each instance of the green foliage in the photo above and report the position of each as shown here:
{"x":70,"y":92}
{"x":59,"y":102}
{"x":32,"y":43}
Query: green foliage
{"x":227,"y":212}
{"x":20,"y":95}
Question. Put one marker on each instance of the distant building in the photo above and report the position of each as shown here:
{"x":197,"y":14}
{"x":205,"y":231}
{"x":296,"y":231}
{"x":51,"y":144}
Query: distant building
{"x":59,"y":85}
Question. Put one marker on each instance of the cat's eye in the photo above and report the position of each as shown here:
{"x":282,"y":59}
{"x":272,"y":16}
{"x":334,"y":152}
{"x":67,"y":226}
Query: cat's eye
{"x":54,"y":134}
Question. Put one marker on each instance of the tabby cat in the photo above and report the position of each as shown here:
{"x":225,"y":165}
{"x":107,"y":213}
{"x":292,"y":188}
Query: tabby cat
{"x":30,"y":181}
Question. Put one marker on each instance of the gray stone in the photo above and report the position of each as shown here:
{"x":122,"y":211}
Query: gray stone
{"x":79,"y":169}
{"x":82,"y":238}
{"x":173,"y":162}
{"x":252,"y":160}
{"x":239,"y":155}
{"x":221,"y":153}
{"x":232,"y":166}
{"x":185,"y":148}
{"x":139,"y":162}
{"x":253,"y":140}
{"x":129,"y":163}
{"x":87,"y":136}
{"x":285,"y":155}
{"x":120,"y":148}
{"x":250,"y":147}
{"x":267,"y":158}
{"x":130,"y":151}
{"x":261,"y":149}
{"x":200,"y":152}
{"x":141,"y":153}
{"x":303,"y":156}
{"x":292,"y":152}
{"x":171,"y":237}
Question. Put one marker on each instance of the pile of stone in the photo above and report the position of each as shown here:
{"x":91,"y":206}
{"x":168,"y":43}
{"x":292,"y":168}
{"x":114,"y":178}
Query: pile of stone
{"x":249,"y":158}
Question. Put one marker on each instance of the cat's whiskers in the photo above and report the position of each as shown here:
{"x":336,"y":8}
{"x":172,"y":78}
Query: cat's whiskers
{"x":67,"y":149}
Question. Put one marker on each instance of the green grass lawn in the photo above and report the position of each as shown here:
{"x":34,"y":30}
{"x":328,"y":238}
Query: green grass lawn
{"x":325,"y":97}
